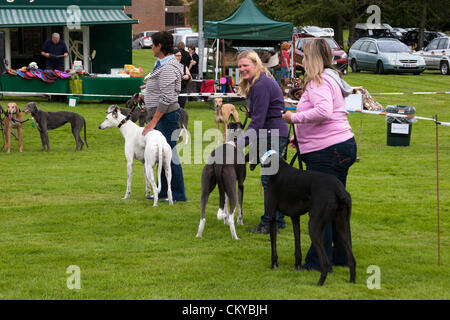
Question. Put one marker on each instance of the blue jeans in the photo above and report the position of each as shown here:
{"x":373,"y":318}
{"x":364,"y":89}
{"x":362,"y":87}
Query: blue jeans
{"x":335,"y":160}
{"x":168,"y":124}
{"x":285,"y":72}
{"x":282,"y":147}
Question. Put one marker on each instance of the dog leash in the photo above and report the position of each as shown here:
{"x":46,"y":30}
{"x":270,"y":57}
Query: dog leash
{"x":297,"y":154}
{"x":128,"y":117}
{"x":244,"y":109}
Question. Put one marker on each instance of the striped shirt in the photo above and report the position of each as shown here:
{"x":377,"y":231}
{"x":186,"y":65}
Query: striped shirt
{"x":163,"y":86}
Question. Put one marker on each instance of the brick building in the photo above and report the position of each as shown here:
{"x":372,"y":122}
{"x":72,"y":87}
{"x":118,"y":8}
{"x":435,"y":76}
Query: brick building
{"x":155,"y":15}
{"x":151,"y":15}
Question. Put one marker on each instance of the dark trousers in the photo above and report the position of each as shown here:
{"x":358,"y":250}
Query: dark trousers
{"x":335,"y":160}
{"x":282,"y":146}
{"x":182,"y":100}
{"x":167,"y":125}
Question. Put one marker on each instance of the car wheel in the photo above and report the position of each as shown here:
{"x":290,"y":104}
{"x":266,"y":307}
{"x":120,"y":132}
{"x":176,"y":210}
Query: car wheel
{"x":354,"y":66}
{"x":444,"y":68}
{"x":380,"y":67}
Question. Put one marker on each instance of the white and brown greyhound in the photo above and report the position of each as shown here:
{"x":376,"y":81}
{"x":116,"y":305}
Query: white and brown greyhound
{"x":149,"y":149}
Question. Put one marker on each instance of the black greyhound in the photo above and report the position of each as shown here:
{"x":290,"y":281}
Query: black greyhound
{"x":294,"y":192}
{"x":51,"y":120}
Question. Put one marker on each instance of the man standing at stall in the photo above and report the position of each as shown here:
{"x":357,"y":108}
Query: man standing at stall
{"x":55,"y":50}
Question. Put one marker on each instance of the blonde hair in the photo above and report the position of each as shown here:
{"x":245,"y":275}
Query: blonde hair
{"x":245,"y":85}
{"x":318,"y":57}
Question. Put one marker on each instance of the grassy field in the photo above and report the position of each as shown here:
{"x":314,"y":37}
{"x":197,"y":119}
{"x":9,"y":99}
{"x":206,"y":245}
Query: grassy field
{"x":64,"y":208}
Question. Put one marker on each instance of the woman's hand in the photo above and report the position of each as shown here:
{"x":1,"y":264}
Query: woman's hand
{"x":291,"y":142}
{"x":287,"y":116}
{"x":186,"y":77}
{"x":149,"y":127}
{"x":143,"y":87}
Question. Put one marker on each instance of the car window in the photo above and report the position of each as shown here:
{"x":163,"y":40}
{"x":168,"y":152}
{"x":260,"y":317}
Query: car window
{"x":191,"y":41}
{"x":299,"y":44}
{"x":364,"y":46}
{"x":392,"y":46}
{"x":372,"y":47}
{"x":357,"y":45}
{"x":433,"y":44}
{"x":176,"y":39}
{"x":443,"y":44}
{"x":332,"y":44}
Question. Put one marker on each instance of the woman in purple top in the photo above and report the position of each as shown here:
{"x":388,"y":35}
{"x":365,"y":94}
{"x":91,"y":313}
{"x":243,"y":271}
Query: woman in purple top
{"x":267,"y":128}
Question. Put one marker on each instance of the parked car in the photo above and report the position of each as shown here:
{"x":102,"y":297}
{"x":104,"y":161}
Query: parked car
{"x":314,"y":31}
{"x":181,"y":30}
{"x":411,"y":38}
{"x":144,"y":40}
{"x":372,"y":31}
{"x":340,"y":59}
{"x":384,"y":55}
{"x":398,"y":33}
{"x":437,"y":55}
{"x":189,"y":39}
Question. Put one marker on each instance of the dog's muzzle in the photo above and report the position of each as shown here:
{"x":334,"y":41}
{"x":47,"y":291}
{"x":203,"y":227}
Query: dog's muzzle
{"x":265,"y":158}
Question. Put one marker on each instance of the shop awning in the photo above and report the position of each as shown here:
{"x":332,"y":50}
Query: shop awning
{"x":57,"y":17}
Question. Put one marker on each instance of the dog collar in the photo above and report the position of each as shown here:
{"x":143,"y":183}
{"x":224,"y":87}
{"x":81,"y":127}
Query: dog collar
{"x":123,"y":122}
{"x":266,"y":156}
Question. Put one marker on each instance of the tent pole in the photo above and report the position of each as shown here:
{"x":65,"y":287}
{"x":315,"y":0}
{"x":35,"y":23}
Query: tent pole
{"x":217,"y":60}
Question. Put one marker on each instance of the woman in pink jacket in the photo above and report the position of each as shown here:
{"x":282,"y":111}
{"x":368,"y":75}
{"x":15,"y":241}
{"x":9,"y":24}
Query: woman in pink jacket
{"x":324,"y":136}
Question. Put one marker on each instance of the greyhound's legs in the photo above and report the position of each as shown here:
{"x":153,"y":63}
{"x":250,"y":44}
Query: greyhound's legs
{"x":151,"y":177}
{"x":316,"y":232}
{"x":129,"y":177}
{"x":271,"y":206}
{"x":147,"y":183}
{"x":168,"y":173}
{"x":297,"y":239}
{"x":19,"y":135}
{"x":343,"y":229}
{"x":230,"y":191}
{"x":240,"y":218}
{"x":208,"y":185}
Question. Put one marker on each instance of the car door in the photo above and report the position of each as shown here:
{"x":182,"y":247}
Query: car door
{"x":362,"y":58}
{"x":372,"y":56}
{"x":431,"y":60}
{"x":442,"y":49}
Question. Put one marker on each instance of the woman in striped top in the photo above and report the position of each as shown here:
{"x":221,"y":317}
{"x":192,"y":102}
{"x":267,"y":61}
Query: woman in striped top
{"x":162,"y":88}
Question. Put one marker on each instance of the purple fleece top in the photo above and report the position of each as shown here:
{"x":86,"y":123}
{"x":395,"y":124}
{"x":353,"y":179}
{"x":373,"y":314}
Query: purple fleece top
{"x":265,"y":103}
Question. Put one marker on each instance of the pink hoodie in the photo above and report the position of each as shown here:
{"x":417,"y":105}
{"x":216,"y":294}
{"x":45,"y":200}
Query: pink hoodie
{"x":321,"y":117}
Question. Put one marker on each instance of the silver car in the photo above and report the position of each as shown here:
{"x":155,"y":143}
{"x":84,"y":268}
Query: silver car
{"x":437,"y":55}
{"x":384,"y":55}
{"x":145,"y":40}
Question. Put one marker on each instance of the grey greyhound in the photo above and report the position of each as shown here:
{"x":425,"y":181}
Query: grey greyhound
{"x":51,"y":120}
{"x":225,"y":167}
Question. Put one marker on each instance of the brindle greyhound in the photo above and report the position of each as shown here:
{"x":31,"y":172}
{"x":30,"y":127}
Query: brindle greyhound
{"x":51,"y":120}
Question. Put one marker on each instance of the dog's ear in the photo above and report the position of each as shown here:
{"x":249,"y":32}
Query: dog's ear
{"x":115,"y":110}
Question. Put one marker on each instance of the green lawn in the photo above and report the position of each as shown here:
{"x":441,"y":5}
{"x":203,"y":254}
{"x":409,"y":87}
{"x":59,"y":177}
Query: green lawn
{"x":64,"y":208}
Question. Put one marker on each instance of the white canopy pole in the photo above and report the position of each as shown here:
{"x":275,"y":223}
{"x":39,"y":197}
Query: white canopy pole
{"x":217,"y":60}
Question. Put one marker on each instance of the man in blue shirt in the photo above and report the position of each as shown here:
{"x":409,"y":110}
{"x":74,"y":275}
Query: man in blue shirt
{"x":55,"y":50}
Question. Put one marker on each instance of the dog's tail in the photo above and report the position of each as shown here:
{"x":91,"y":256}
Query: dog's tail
{"x":160,"y":164}
{"x":186,"y":134}
{"x":85,"y":141}
{"x":218,"y":172}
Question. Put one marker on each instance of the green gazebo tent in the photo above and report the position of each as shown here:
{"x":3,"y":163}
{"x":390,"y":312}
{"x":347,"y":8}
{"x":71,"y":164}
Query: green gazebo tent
{"x":249,"y":26}
{"x":248,"y":22}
